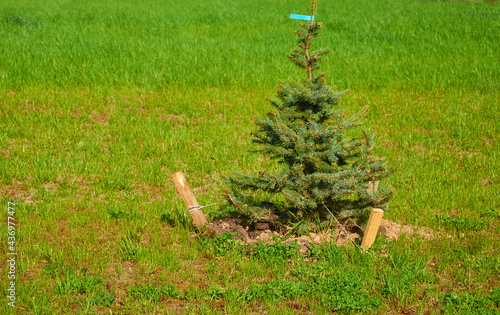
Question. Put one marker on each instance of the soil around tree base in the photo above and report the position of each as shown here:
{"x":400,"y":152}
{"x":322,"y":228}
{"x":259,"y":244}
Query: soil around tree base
{"x":266,"y":229}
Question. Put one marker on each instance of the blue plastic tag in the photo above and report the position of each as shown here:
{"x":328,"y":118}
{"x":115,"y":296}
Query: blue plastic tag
{"x":302,"y":17}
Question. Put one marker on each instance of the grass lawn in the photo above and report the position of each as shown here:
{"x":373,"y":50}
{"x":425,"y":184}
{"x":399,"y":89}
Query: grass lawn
{"x":100,"y":101}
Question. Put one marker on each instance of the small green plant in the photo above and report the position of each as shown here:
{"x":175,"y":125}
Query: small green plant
{"x":221,"y":244}
{"x":215,"y":292}
{"x":103,"y":298}
{"x":128,"y":247}
{"x":461,"y":224}
{"x":277,"y":290}
{"x":169,"y":219}
{"x":175,"y":219}
{"x":70,"y":282}
{"x":147,"y":292}
{"x":490,"y":213}
{"x":119,"y":214}
{"x":55,"y":269}
{"x":329,"y":253}
{"x":345,"y":293}
{"x":77,"y":283}
{"x":277,"y":250}
{"x":468,"y":303}
{"x":494,"y":297}
{"x":397,"y":288}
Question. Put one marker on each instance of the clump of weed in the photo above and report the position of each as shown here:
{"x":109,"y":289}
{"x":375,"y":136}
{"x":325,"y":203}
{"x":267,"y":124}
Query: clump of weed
{"x":120,"y":214}
{"x":461,"y":224}
{"x":468,"y":303}
{"x":129,"y":247}
{"x":175,"y":218}
{"x":494,"y":296}
{"x":221,"y":244}
{"x":215,"y":293}
{"x":147,"y":292}
{"x":55,"y":269}
{"x":70,"y":282}
{"x":330,"y":253}
{"x":490,"y":213}
{"x":277,"y":290}
{"x":345,"y":293}
{"x":397,"y":288}
{"x":103,"y":298}
{"x":277,"y":250}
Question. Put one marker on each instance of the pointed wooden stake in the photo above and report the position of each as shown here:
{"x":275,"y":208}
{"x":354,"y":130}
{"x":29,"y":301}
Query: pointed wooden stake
{"x":372,"y":228}
{"x":184,"y":190}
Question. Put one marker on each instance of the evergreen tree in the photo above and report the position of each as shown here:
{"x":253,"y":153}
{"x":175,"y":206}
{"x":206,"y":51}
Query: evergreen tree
{"x":320,"y":165}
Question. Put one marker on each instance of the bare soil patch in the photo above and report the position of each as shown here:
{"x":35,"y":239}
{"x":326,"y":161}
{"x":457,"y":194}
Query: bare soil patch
{"x":120,"y":277}
{"x":102,"y":118}
{"x":268,"y":227}
{"x":392,"y":230}
{"x":17,"y":191}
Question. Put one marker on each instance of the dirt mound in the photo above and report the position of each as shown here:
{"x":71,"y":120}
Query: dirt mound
{"x":392,"y":230}
{"x":267,"y":228}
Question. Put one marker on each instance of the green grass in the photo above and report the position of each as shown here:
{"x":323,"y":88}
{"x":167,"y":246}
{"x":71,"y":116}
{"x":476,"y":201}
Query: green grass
{"x":151,"y":44}
{"x":101,"y":101}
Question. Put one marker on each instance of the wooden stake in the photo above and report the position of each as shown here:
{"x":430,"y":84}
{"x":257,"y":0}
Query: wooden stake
{"x":372,"y":228}
{"x":182,"y":186}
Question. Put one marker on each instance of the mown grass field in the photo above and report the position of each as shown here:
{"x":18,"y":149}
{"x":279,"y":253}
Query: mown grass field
{"x":100,"y":101}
